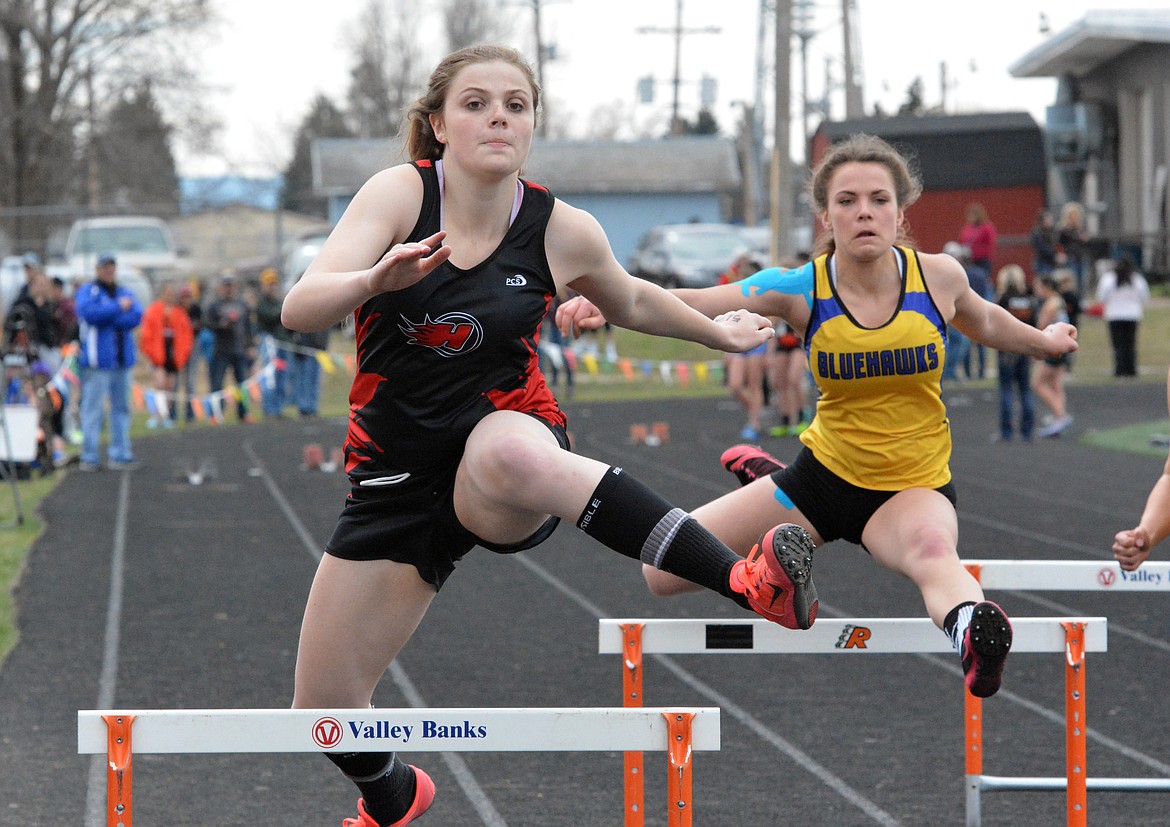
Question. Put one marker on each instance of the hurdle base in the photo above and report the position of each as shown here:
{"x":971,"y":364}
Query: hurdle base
{"x":977,"y":784}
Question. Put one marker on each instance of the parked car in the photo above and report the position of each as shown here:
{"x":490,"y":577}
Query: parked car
{"x":300,"y":254}
{"x":11,"y":280}
{"x":760,"y":239}
{"x":687,"y":255}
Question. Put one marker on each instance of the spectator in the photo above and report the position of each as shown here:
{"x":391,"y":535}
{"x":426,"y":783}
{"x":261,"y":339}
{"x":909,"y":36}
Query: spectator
{"x":554,"y":351}
{"x":29,"y":327}
{"x":305,"y":370}
{"x":166,"y":339}
{"x":978,"y":235}
{"x":787,"y":367}
{"x":1132,"y":546}
{"x":230,"y":320}
{"x":1051,"y":372}
{"x":1072,"y":242}
{"x":274,"y":339}
{"x":1015,"y":369}
{"x":1123,"y":293}
{"x":745,"y":371}
{"x":108,"y":315}
{"x":1044,"y":244}
{"x":203,"y":346}
{"x":64,"y":311}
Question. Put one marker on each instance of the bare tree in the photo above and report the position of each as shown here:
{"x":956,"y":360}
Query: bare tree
{"x":388,"y":72}
{"x":61,"y":66}
{"x":467,"y":22}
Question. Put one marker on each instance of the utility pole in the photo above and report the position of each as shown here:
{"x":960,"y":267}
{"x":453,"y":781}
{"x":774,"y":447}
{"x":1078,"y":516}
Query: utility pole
{"x":854,"y":107}
{"x":542,"y":51}
{"x":678,"y":31}
{"x":782,"y":191}
{"x":542,"y":128}
{"x":804,"y":31}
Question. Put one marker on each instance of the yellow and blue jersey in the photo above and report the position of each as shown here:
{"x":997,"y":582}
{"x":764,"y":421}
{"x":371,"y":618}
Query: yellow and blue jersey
{"x":881,"y":422}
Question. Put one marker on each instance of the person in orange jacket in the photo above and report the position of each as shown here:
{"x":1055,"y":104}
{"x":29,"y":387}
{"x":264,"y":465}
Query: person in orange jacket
{"x":166,"y":339}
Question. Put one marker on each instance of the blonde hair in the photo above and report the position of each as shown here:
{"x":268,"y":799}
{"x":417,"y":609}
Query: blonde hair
{"x":1069,"y":211}
{"x":1011,"y":277}
{"x":420,"y":139}
{"x":863,"y":149}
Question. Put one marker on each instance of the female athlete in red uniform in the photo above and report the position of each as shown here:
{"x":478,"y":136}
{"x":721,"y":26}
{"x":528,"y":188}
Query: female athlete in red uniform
{"x":448,"y":264}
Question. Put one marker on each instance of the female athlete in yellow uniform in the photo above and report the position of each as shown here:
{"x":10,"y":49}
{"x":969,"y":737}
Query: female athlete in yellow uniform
{"x":873,"y":314}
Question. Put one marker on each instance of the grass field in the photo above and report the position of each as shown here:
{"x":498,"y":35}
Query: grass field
{"x":1094,"y":364}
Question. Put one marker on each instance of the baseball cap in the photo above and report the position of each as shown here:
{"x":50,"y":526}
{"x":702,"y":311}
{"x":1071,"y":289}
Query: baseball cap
{"x":269,"y":276}
{"x":106,"y":258}
{"x":31,"y":259}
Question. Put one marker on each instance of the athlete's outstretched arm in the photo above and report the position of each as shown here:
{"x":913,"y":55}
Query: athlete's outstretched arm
{"x":364,"y":256}
{"x":580,"y":257}
{"x":1132,"y":546}
{"x":786,"y":294}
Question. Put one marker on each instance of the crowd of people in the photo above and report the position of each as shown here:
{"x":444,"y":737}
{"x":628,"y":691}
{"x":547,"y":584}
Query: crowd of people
{"x":75,"y":351}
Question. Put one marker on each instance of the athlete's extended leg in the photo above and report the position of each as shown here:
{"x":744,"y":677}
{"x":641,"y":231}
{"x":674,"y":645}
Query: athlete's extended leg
{"x":514,"y":474}
{"x":915,"y":533}
{"x":359,"y":615}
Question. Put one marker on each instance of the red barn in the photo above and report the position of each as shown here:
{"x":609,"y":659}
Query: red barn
{"x":996,"y":159}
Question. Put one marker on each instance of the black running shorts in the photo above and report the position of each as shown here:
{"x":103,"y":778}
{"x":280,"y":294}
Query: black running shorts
{"x":837,"y":509}
{"x":414,"y":522}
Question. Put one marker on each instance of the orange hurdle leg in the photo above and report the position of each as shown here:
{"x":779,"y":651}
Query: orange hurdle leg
{"x":1074,"y":689}
{"x":632,"y":696}
{"x":678,"y":782}
{"x":119,"y":761}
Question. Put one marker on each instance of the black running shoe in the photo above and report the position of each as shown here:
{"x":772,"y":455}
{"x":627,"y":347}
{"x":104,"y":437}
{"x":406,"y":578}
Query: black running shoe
{"x":985,"y":648}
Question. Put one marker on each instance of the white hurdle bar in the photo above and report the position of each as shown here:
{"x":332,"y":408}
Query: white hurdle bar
{"x":633,"y":638}
{"x":1069,"y":575}
{"x":119,"y":734}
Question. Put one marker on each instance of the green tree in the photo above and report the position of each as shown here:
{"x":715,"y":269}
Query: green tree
{"x":135,"y":164}
{"x":704,"y":124}
{"x":915,"y":103}
{"x":324,"y":120}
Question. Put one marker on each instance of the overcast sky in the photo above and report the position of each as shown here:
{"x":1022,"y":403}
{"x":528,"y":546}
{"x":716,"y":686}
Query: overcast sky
{"x":274,"y":56}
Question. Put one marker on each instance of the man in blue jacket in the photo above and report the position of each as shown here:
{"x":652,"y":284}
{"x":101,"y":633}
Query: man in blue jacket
{"x":107,"y":315}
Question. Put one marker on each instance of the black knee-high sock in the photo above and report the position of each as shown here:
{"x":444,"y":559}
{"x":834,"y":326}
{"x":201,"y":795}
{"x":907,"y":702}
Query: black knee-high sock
{"x":633,"y":520}
{"x":386,"y":784}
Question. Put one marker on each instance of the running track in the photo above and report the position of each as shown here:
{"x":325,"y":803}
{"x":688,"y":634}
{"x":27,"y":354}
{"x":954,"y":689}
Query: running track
{"x":147,"y":591}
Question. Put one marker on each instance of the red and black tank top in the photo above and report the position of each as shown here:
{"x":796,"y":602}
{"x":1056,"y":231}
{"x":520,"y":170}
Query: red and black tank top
{"x":435,"y":358}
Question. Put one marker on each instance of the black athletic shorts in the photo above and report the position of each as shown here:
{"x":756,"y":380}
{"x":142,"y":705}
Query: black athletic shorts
{"x":414,"y":522}
{"x":837,"y":509}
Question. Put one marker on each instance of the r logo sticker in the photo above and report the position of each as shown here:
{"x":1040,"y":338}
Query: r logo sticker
{"x":854,"y":637}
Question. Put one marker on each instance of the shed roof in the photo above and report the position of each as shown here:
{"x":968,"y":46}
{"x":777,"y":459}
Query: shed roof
{"x":1095,"y":39}
{"x":670,"y":165}
{"x":1001,"y":149}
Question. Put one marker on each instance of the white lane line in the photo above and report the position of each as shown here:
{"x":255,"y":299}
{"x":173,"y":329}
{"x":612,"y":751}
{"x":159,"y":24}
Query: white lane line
{"x":95,"y":786}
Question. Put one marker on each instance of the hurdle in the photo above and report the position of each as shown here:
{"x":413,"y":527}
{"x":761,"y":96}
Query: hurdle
{"x":1058,"y":575}
{"x":634,"y":638}
{"x":120,"y":734}
{"x":1069,"y":575}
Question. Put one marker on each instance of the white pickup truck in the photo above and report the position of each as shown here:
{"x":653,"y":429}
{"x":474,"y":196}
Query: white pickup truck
{"x":142,"y":245}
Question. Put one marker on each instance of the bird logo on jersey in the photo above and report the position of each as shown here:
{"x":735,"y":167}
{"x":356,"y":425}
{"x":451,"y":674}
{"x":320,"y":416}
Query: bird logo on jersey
{"x":449,"y":335}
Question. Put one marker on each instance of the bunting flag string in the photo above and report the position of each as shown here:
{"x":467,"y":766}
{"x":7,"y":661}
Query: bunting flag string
{"x":210,"y":406}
